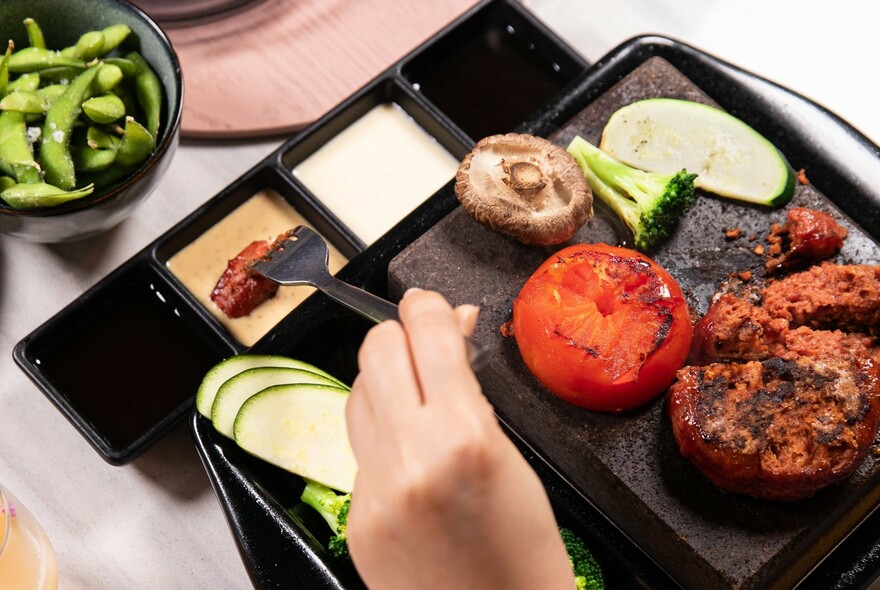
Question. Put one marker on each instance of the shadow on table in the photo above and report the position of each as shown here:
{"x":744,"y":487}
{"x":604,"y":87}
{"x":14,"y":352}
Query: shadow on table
{"x":173,"y":464}
{"x":87,"y":254}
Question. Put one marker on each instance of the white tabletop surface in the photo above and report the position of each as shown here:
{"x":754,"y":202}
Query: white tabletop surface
{"x":156,"y":522}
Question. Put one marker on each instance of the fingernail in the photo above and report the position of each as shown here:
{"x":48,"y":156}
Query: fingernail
{"x":411,"y":290}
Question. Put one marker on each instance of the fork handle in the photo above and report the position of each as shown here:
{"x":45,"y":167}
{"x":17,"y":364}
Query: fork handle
{"x":378,"y":310}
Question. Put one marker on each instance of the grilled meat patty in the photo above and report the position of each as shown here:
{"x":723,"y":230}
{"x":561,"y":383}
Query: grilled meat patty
{"x":776,"y":429}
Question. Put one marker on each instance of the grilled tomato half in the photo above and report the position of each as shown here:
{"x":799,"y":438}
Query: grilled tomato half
{"x":602,"y":327}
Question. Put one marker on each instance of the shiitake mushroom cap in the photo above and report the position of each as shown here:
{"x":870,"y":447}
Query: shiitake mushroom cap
{"x":526,"y":187}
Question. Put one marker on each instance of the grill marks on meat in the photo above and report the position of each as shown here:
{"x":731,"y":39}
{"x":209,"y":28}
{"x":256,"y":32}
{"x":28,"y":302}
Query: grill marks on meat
{"x":240,"y":288}
{"x":782,"y":398}
{"x":776,"y":429}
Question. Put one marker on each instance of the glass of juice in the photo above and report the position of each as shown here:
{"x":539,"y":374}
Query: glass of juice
{"x":27,"y":561}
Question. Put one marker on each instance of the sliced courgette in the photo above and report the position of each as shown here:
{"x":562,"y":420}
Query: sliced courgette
{"x":237,"y":389}
{"x":730,"y":158}
{"x":232,"y":366}
{"x":300,"y":428}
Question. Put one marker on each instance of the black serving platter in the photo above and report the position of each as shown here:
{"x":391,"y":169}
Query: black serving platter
{"x":283,"y":550}
{"x":67,"y":356}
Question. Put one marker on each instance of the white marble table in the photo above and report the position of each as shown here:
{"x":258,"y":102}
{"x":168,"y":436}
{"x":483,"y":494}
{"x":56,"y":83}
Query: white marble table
{"x":156,"y":523}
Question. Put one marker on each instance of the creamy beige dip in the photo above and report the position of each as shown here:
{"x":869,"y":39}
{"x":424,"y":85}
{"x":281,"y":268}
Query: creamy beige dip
{"x":199,"y":265}
{"x":377,"y":170}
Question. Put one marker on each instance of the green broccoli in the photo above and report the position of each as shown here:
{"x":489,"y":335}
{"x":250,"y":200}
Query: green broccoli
{"x":333,"y":508}
{"x":648,"y":202}
{"x":587,"y":573}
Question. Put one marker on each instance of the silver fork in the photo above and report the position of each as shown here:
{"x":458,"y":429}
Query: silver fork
{"x":301,"y":259}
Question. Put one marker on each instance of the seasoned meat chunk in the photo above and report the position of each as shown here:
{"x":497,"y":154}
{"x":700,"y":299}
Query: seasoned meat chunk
{"x":733,"y":328}
{"x":240,"y":288}
{"x":807,"y":236}
{"x":828,"y":295}
{"x":776,"y":429}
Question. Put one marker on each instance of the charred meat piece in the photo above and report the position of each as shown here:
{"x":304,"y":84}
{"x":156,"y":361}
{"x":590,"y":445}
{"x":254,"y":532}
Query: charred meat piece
{"x":828,"y":295}
{"x":734,"y":328}
{"x":776,"y":429}
{"x":241,"y":288}
{"x":807,"y":237}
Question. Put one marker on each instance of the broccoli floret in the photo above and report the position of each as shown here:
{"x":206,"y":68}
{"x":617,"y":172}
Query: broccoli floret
{"x":648,"y":202}
{"x":333,"y":508}
{"x":587,"y":573}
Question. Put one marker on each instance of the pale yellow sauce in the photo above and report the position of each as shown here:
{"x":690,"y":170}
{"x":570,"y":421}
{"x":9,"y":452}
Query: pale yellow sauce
{"x":377,"y":170}
{"x":198,"y":266}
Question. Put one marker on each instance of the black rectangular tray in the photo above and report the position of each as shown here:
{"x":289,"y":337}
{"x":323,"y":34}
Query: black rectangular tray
{"x":281,"y":550}
{"x":490,"y":23}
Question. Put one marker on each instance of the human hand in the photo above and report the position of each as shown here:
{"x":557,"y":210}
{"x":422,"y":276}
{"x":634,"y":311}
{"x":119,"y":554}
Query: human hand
{"x":442,"y":499}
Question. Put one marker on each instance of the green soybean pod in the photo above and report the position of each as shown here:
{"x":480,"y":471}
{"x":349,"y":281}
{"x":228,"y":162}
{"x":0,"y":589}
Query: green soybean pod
{"x":98,"y":139}
{"x":128,"y":67}
{"x":87,"y":159}
{"x":33,"y":59}
{"x":54,"y":153}
{"x":15,"y":151}
{"x":89,"y":46}
{"x":61,"y":74}
{"x":6,"y":182}
{"x":41,"y":194}
{"x":4,"y":68}
{"x":34,"y":33}
{"x":22,"y":101}
{"x":137,"y":144}
{"x":114,"y":35}
{"x":108,"y":78}
{"x":104,"y":109}
{"x":149,"y":93}
{"x":26,"y":82}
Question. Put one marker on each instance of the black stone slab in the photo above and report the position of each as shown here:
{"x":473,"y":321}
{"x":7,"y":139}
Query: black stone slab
{"x":628,"y":465}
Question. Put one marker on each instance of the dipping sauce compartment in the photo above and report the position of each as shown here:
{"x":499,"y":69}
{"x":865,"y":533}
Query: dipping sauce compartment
{"x":123,"y":361}
{"x":493,"y":71}
{"x":197,"y":254}
{"x":376,"y":159}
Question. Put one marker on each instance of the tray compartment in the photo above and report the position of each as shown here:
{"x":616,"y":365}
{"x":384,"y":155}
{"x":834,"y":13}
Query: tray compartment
{"x":122,"y":362}
{"x":493,"y":71}
{"x":371,"y":162}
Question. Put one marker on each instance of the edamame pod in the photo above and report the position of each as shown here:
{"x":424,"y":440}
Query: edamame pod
{"x":137,"y":144}
{"x":15,"y":151}
{"x":87,"y":159}
{"x":54,"y":153}
{"x":114,"y":35}
{"x":61,"y":74}
{"x":4,"y":68}
{"x":6,"y":182}
{"x":22,"y":102}
{"x":34,"y":33}
{"x":104,"y":109}
{"x":89,"y":46}
{"x":97,"y":139}
{"x":149,"y":92}
{"x":32,"y":196}
{"x":108,"y":78}
{"x":128,"y":67}
{"x":27,"y":82}
{"x":33,"y":59}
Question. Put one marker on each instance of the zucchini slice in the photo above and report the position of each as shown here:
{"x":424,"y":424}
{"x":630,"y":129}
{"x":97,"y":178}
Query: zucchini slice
{"x":300,"y":428}
{"x":730,"y":158}
{"x":236,"y":390}
{"x":234,"y":365}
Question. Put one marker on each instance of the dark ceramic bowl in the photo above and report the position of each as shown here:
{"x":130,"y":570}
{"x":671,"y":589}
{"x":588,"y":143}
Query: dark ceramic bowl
{"x":63,"y":21}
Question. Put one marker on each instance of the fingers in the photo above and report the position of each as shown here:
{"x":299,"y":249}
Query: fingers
{"x":436,"y":344}
{"x":467,"y":318}
{"x":360,"y":421}
{"x":387,"y":379}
